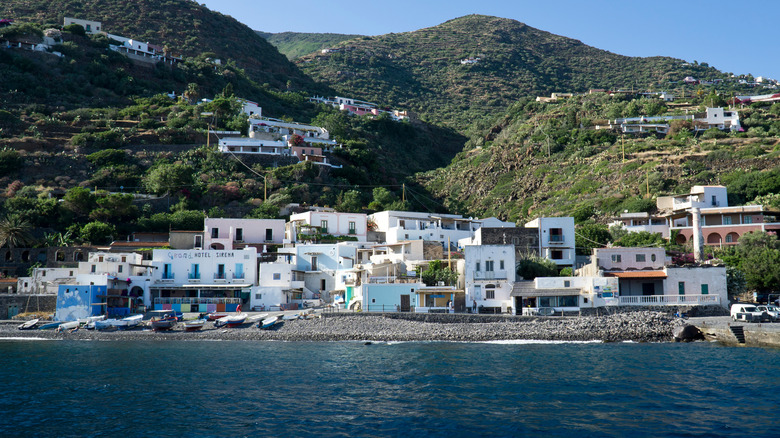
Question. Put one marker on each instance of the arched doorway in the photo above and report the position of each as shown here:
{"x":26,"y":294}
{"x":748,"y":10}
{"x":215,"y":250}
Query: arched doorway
{"x":732,"y":237}
{"x":714,"y":239}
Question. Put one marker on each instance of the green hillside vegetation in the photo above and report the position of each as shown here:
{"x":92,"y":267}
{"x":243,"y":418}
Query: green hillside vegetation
{"x":546,"y":159}
{"x":184,"y":27}
{"x":421,"y":70}
{"x":296,"y":44}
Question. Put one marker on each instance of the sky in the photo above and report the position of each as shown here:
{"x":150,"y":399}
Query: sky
{"x":735,"y":37}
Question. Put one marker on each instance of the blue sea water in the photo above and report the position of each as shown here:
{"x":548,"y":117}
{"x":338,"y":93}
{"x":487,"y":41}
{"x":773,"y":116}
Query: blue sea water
{"x":286,"y":389}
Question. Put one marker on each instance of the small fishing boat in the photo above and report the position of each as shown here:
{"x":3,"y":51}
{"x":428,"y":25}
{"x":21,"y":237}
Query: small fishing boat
{"x":89,"y":322}
{"x":50,"y":325}
{"x":291,"y":317}
{"x":194,"y":325}
{"x":268,"y":322}
{"x":255,"y":318}
{"x":231,"y":320}
{"x":70,"y":325}
{"x":129,"y":322}
{"x":213,"y":316}
{"x":104,"y":324}
{"x":165,"y":323}
{"x":28,"y":325}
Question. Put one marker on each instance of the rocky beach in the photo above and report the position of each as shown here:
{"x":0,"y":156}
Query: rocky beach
{"x":634,"y":326}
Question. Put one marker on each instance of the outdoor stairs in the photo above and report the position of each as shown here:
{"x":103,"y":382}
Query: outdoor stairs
{"x":739,"y":333}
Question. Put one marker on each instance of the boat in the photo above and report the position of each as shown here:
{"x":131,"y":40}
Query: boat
{"x":165,"y":323}
{"x":89,"y":322}
{"x":29,"y":324}
{"x":194,"y":325}
{"x":213,"y":316}
{"x":104,"y":324}
{"x":231,"y":320}
{"x":291,"y":317}
{"x":50,"y":325}
{"x":268,"y":322}
{"x":129,"y":322}
{"x":70,"y":325}
{"x":255,"y":318}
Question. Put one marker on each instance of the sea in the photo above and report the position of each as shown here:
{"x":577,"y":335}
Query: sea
{"x":414,"y":389}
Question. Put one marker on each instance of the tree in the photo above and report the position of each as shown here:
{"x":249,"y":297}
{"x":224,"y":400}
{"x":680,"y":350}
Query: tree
{"x":80,"y":201}
{"x":757,"y":258}
{"x":349,"y":201}
{"x":169,"y":178}
{"x":641,"y":238}
{"x":592,"y":235}
{"x":436,"y":272}
{"x":15,"y":232}
{"x":535,"y":266}
{"x":266,"y":210}
{"x":97,"y":232}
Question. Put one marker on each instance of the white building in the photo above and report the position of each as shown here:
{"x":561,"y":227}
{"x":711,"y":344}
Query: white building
{"x":311,"y":224}
{"x":91,"y":27}
{"x":280,"y":283}
{"x":556,"y":239}
{"x":327,"y":270}
{"x":228,"y":233}
{"x":406,"y":225}
{"x":240,"y":145}
{"x":557,"y":295}
{"x":489,"y":276}
{"x":202,"y":280}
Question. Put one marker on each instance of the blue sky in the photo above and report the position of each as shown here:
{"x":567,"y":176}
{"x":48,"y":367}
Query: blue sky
{"x":737,"y":37}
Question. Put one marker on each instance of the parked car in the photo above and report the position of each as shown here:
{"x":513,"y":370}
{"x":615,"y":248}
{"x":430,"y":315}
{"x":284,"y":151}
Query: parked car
{"x":773,"y":311}
{"x":748,"y":313}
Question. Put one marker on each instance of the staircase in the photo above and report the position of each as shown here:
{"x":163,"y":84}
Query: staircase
{"x":739,"y":333}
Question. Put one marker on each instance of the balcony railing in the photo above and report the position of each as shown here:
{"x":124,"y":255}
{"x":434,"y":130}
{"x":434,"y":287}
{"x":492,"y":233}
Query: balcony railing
{"x":490,"y":275}
{"x":239,"y":276}
{"x":219,"y":276}
{"x":194,"y":276}
{"x":667,"y":300}
{"x":557,"y":238}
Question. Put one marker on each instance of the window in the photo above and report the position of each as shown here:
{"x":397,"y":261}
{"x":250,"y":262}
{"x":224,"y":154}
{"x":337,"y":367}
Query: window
{"x":194,"y":271}
{"x":616,"y":258}
{"x":119,"y":268}
{"x":705,"y":289}
{"x":714,"y":199}
{"x":489,"y":266}
{"x":124,"y":259}
{"x":640,"y":257}
{"x":324,"y":227}
{"x":748,"y":219}
{"x":167,"y":272}
{"x":239,"y":272}
{"x":556,"y":254}
{"x":269,"y":234}
{"x":314,"y":263}
{"x":94,"y":268}
{"x":501,"y":265}
{"x":490,"y":294}
{"x":100,"y":259}
{"x":277,"y":276}
{"x":726,"y":220}
{"x":215,"y":233}
{"x":477,"y":267}
{"x":239,"y":234}
{"x":652,"y":257}
{"x":352,"y":228}
{"x":220,"y":272}
{"x":566,"y":283}
{"x":258,"y":296}
{"x":729,"y":238}
{"x":556,"y":234}
{"x":198,"y":242}
{"x":681,"y":287}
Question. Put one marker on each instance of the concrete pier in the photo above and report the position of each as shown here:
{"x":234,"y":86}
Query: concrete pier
{"x":722,"y":329}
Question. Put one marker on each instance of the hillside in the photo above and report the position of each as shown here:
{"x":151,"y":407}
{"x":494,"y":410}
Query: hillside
{"x":422,"y":70}
{"x":296,"y":44}
{"x":547,"y":159}
{"x":185,"y":27}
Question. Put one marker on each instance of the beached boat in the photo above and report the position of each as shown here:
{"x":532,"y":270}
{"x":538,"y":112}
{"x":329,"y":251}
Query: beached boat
{"x":231,"y":320}
{"x":194,"y":325}
{"x":65,"y":326}
{"x":129,"y":322}
{"x":254,"y":318}
{"x":104,"y":324}
{"x":89,"y":322}
{"x":269,"y":322}
{"x":213,"y":316}
{"x":50,"y":325}
{"x":29,"y":324}
{"x":291,"y":317}
{"x":164,"y":323}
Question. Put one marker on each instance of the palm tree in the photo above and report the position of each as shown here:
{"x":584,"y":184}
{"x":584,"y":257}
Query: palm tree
{"x":15,"y":231}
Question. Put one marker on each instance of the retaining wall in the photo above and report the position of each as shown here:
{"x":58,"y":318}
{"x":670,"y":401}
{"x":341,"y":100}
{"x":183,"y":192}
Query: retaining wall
{"x":26,"y":303}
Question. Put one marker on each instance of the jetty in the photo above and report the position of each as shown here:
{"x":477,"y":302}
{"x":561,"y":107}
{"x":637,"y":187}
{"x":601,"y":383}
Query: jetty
{"x":725,"y":331}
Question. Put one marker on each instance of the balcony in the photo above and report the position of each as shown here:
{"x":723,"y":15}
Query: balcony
{"x":557,"y":238}
{"x":194,"y":277}
{"x":220,"y":277}
{"x":490,"y":275}
{"x":668,"y":300}
{"x":239,"y":276}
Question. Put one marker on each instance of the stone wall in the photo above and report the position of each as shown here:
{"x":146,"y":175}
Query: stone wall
{"x":691,"y":311}
{"x":27,"y":303}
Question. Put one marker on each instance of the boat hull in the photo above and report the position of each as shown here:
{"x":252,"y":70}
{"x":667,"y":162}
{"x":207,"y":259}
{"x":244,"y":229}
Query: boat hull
{"x":193,"y":326}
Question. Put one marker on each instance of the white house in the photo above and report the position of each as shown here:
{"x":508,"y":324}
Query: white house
{"x":563,"y":294}
{"x":489,"y":276}
{"x":202,"y":280}
{"x":229,"y":233}
{"x":280,"y":283}
{"x":328,"y":270}
{"x":407,"y":225}
{"x":556,"y":239}
{"x":240,"y":145}
{"x":307,"y":225}
{"x":91,"y":27}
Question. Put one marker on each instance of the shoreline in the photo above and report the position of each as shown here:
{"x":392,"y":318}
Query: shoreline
{"x":366,"y":327}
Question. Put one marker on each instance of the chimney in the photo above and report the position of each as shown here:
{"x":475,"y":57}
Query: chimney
{"x":698,"y":239}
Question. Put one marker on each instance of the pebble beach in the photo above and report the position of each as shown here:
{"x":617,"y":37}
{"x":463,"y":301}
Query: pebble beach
{"x":635,"y":326}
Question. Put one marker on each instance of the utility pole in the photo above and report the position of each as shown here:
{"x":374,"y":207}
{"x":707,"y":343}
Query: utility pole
{"x":403,"y":192}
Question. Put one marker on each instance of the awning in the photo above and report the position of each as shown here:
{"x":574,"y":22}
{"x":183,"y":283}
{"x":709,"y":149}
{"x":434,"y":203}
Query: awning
{"x":205,"y":286}
{"x":636,"y":274}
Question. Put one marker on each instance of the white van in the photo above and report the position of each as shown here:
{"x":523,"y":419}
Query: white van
{"x":748,"y":313}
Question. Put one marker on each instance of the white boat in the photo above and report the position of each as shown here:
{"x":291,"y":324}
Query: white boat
{"x":258,"y":317}
{"x":70,"y":325}
{"x":269,"y":322}
{"x":129,"y":322}
{"x":29,"y":324}
{"x":194,"y":325}
{"x":91,"y":319}
{"x":231,"y":320}
{"x":291,"y":317}
{"x":106,"y":324}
